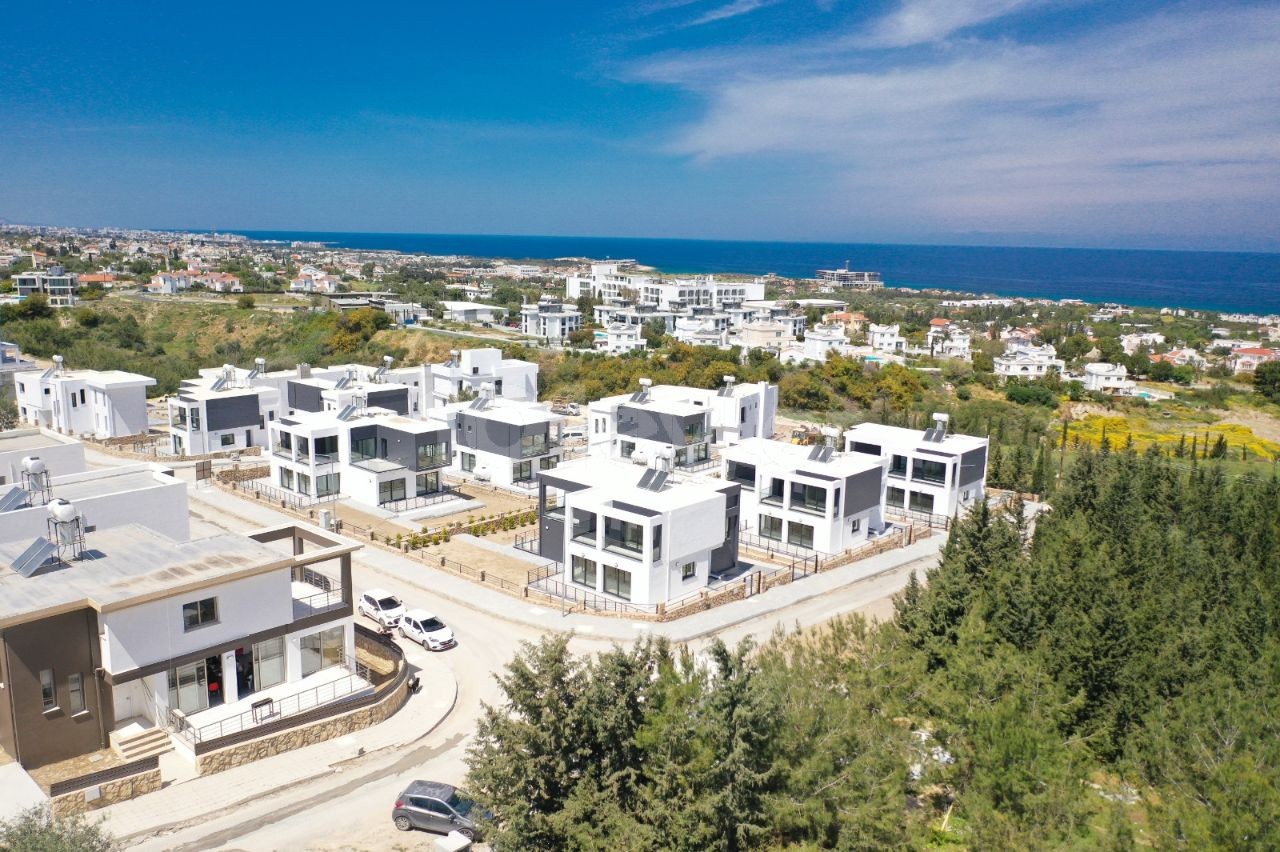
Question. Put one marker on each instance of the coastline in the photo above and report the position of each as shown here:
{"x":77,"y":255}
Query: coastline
{"x":1243,"y":282}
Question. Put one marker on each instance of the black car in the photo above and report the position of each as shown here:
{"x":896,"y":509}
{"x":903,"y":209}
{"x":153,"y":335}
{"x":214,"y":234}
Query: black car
{"x":433,"y":806}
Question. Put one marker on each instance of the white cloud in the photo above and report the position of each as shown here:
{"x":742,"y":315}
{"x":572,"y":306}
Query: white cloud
{"x":1144,"y":125}
{"x":730,"y":10}
{"x":922,"y":21}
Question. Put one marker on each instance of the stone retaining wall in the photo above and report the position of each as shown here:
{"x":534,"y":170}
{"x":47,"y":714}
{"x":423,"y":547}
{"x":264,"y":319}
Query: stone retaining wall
{"x":243,"y":474}
{"x":327,"y":729}
{"x":109,"y":793}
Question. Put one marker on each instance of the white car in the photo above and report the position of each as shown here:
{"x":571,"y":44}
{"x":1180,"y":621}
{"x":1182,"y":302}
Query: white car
{"x":382,"y":606}
{"x":421,"y":626}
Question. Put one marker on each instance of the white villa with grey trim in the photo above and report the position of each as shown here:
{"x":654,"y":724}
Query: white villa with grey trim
{"x":930,"y":472}
{"x":502,"y":441}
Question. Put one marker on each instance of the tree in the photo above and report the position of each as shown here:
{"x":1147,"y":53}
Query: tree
{"x":1266,"y":380}
{"x":38,"y":830}
{"x":245,"y":302}
{"x":8,"y":414}
{"x":654,"y":332}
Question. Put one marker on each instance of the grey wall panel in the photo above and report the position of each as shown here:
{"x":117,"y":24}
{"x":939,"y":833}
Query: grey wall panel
{"x":862,"y":491}
{"x":638,"y":422}
{"x":396,"y":399}
{"x":973,"y":466}
{"x":304,"y":397}
{"x":232,"y":412}
{"x":551,"y":538}
{"x":482,"y":433}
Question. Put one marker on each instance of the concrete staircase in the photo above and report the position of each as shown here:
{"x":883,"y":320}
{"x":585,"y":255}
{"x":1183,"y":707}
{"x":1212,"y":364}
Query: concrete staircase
{"x":134,"y":742}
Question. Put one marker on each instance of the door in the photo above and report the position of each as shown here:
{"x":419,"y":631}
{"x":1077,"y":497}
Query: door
{"x":192,"y":690}
{"x":439,"y":816}
{"x":248,"y":437}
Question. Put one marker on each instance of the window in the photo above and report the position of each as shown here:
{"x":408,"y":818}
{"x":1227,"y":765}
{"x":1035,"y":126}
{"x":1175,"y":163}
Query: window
{"x":427,"y":483}
{"x":866,"y":449}
{"x":617,"y":582}
{"x":322,"y":650}
{"x":688,"y":570}
{"x":195,"y":420}
{"x":800,"y":535}
{"x":82,"y":396}
{"x":364,"y":448}
{"x":922,"y":502}
{"x":855,"y":525}
{"x":285,"y":441}
{"x":929,"y":471}
{"x":268,"y":663}
{"x":286,"y":478}
{"x":73,"y":399}
{"x":328,"y":483}
{"x":965,"y":495}
{"x":304,"y":483}
{"x":694,"y":432}
{"x":742,"y":473}
{"x":808,"y":498}
{"x":776,"y":487}
{"x":657,"y":543}
{"x":431,"y":455}
{"x":392,"y":489}
{"x":898,"y":467}
{"x":700,"y":453}
{"x":199,"y":613}
{"x":628,"y":447}
{"x":895,"y":497}
{"x":75,"y":692}
{"x":48,"y":694}
{"x":522,"y":471}
{"x":771,"y":527}
{"x":327,"y":446}
{"x":623,"y":535}
{"x":533,"y":445}
{"x":547,"y":463}
{"x":584,"y":571}
{"x":584,"y":525}
{"x":468,"y":462}
{"x":228,"y":439}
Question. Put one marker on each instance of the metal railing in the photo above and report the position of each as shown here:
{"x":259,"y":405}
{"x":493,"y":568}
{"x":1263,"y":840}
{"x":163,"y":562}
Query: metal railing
{"x":289,"y":498}
{"x":589,"y":600}
{"x":538,"y":449}
{"x":357,"y":680}
{"x":543,"y":572}
{"x":771,"y":546}
{"x":528,"y":542}
{"x":901,"y":513}
{"x":446,"y":492}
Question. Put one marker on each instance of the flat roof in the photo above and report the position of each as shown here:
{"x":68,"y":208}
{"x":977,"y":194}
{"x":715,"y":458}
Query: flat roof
{"x":507,"y":411}
{"x":369,"y":416}
{"x":878,"y":433}
{"x":126,"y":564}
{"x":616,"y":482}
{"x":795,"y":458}
{"x":30,"y":439}
{"x":114,"y":480}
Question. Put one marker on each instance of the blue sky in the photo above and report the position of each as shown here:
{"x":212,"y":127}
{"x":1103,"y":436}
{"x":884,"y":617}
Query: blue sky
{"x":1023,"y":122}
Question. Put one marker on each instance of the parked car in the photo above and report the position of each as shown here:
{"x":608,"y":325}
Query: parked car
{"x":432,"y":806}
{"x":421,"y":626}
{"x":382,"y":606}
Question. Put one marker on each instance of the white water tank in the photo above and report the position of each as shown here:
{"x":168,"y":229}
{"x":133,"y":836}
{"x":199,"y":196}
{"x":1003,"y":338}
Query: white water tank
{"x":63,"y":511}
{"x":639,"y":457}
{"x":34,"y":465}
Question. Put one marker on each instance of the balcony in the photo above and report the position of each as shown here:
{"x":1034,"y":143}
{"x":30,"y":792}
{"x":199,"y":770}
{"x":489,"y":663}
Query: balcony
{"x":315,"y":593}
{"x":281,"y":451}
{"x":538,"y":449}
{"x":377,"y":465}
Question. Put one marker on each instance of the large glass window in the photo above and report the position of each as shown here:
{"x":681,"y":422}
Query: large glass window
{"x":776,"y":488}
{"x":584,"y":525}
{"x":428,"y":483}
{"x":742,"y":473}
{"x":533,"y":445}
{"x":198,"y":613}
{"x":468,"y":462}
{"x":771,"y":527}
{"x":808,"y":498}
{"x":617,"y":581}
{"x":327,"y":446}
{"x":322,"y":650}
{"x":866,"y":449}
{"x":657,"y":543}
{"x":922,"y":502}
{"x":800,"y":535}
{"x":623,"y":535}
{"x":895,"y":496}
{"x":328,"y":483}
{"x":547,"y":462}
{"x":432,"y":455}
{"x":898,"y":466}
{"x":695,"y":431}
{"x":286,"y":478}
{"x":925,"y":470}
{"x":392,"y":489}
{"x":268,"y":663}
{"x":699,"y":453}
{"x":304,"y":483}
{"x":522,"y":471}
{"x":627,"y":448}
{"x":584,"y":571}
{"x":195,"y":420}
{"x":48,"y":692}
{"x":364,"y":448}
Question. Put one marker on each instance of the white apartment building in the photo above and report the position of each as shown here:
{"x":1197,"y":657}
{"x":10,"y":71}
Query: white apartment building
{"x":223,"y":409}
{"x":1131,"y":343}
{"x":620,"y":338}
{"x":819,"y":342}
{"x":471,"y":312}
{"x":703,"y":331}
{"x":851,"y":278}
{"x":930,"y":472}
{"x":1027,"y":361}
{"x":373,"y":456}
{"x":468,"y":370}
{"x":550,"y":318}
{"x":769,"y":335}
{"x":502,"y":441}
{"x":621,"y":281}
{"x":1108,"y":378}
{"x":102,"y":403}
{"x":946,"y":340}
{"x":806,"y":498}
{"x":637,"y":315}
{"x":59,"y":285}
{"x":1249,"y":358}
{"x":636,"y":534}
{"x":886,"y":338}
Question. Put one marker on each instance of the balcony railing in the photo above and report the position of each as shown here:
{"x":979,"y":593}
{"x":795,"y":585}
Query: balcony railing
{"x":538,"y":449}
{"x":446,"y":492}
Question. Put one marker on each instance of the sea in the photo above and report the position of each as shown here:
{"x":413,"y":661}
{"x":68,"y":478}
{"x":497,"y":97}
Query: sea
{"x":1243,"y":282}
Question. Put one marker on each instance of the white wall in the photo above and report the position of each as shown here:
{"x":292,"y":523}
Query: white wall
{"x":162,"y":508}
{"x":60,"y":459}
{"x":152,"y":632}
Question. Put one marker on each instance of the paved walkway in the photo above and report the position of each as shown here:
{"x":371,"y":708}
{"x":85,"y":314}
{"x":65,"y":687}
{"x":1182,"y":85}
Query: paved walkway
{"x":207,"y":794}
{"x":536,"y":614}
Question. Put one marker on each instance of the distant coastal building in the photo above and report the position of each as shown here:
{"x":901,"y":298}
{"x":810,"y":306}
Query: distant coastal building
{"x":1108,"y":378}
{"x":1026,"y":360}
{"x":621,"y":281}
{"x":851,"y":278}
{"x":56,"y":283}
{"x":550,"y":318}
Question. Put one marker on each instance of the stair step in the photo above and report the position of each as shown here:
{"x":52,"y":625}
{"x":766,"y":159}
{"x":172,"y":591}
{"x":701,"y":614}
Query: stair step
{"x":141,"y":750}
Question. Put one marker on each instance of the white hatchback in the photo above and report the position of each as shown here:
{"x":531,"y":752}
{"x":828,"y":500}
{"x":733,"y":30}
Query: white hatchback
{"x":382,"y":606}
{"x":421,"y":626}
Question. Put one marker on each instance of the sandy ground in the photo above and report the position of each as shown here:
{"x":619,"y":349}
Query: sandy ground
{"x":494,"y":564}
{"x":1263,"y":425}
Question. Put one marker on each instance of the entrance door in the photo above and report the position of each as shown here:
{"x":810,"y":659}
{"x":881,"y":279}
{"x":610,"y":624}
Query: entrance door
{"x":191,"y":691}
{"x":244,"y":672}
{"x":248,"y":437}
